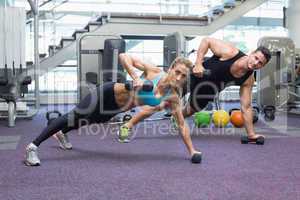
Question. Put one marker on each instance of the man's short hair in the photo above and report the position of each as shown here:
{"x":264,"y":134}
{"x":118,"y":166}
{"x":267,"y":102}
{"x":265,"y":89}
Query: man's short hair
{"x":265,"y":51}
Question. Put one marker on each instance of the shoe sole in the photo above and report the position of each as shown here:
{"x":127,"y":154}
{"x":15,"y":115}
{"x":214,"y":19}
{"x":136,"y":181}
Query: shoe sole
{"x":60,"y":144}
{"x":30,"y":164}
{"x":65,"y":148}
{"x":123,"y":141}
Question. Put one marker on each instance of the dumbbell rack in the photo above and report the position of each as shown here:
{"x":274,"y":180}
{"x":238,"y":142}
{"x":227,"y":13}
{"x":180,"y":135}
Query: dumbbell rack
{"x":12,"y":88}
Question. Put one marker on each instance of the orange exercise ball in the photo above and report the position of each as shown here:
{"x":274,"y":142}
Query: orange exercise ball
{"x":236,"y":118}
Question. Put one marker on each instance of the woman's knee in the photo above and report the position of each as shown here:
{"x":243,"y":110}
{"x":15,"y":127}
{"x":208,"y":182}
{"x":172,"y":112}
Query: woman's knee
{"x":188,"y":110}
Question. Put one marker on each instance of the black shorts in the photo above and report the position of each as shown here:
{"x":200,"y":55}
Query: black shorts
{"x":202,"y":91}
{"x":99,"y":105}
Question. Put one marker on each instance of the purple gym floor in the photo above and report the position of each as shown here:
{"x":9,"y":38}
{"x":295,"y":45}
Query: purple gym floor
{"x":155,"y":165}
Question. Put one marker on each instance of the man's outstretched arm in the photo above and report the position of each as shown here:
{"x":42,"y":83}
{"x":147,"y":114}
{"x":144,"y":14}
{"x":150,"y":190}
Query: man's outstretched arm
{"x":246,"y":108}
{"x":220,"y":48}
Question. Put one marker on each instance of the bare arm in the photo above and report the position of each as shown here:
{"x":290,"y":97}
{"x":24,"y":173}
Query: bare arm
{"x":130,"y":62}
{"x":174,"y":103}
{"x":246,"y":108}
{"x":183,"y":127}
{"x":219,"y":48}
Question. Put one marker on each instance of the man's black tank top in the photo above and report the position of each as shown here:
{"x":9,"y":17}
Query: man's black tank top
{"x":220,"y":77}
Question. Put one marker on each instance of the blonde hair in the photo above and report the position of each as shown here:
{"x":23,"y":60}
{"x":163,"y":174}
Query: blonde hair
{"x":182,"y":60}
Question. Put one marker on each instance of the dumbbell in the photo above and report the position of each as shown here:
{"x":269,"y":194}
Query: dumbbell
{"x":259,"y":141}
{"x":269,"y":112}
{"x":147,"y":86}
{"x":206,"y":72}
{"x":196,"y":158}
{"x":255,"y":111}
{"x":52,"y":115}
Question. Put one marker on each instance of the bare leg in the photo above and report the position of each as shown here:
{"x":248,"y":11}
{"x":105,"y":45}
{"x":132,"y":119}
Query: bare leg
{"x":146,"y":111}
{"x":188,"y":110}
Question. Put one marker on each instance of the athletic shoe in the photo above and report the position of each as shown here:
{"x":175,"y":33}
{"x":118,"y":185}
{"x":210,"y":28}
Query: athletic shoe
{"x":174,"y":123}
{"x":32,"y":158}
{"x":124,"y":133}
{"x":63,"y":140}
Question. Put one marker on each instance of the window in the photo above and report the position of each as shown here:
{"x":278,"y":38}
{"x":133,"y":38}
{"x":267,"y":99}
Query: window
{"x":147,"y":50}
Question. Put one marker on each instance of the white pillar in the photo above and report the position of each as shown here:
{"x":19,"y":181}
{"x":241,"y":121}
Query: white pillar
{"x":293,"y":16}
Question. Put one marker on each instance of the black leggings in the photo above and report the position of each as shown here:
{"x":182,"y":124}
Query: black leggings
{"x":97,"y":107}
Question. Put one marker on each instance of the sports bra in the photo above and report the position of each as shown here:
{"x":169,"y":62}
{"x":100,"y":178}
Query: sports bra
{"x":148,"y":97}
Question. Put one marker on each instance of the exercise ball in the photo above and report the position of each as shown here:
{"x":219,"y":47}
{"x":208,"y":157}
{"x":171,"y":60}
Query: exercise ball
{"x":220,"y":118}
{"x":236,"y":118}
{"x":202,"y":119}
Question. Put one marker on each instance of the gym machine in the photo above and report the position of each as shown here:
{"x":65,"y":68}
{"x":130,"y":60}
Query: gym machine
{"x":98,"y":61}
{"x":174,"y":45}
{"x":276,"y":81}
{"x":13,"y":86}
{"x":14,"y":79}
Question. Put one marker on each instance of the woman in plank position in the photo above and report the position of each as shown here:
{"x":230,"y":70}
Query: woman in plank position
{"x":111,"y":98}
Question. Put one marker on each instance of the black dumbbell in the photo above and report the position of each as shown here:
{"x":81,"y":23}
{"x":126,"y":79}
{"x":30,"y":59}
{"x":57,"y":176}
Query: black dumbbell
{"x":255,"y":111}
{"x":269,"y":112}
{"x":147,"y":85}
{"x":126,"y":118}
{"x":52,"y":115}
{"x":206,"y":72}
{"x":260,"y":140}
{"x":196,"y":158}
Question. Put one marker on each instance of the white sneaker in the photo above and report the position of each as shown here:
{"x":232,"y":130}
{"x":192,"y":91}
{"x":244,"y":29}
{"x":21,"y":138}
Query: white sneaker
{"x":124,"y":134}
{"x":63,"y":140}
{"x":31,"y":157}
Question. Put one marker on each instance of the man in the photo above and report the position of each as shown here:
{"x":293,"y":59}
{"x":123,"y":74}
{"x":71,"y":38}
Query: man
{"x":228,"y":66}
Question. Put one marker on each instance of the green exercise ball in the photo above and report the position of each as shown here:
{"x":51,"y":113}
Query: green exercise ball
{"x":202,"y":119}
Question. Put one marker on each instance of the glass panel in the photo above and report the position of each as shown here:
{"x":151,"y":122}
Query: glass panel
{"x":150,"y":51}
{"x":66,"y":16}
{"x":62,"y":79}
{"x":176,"y":7}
